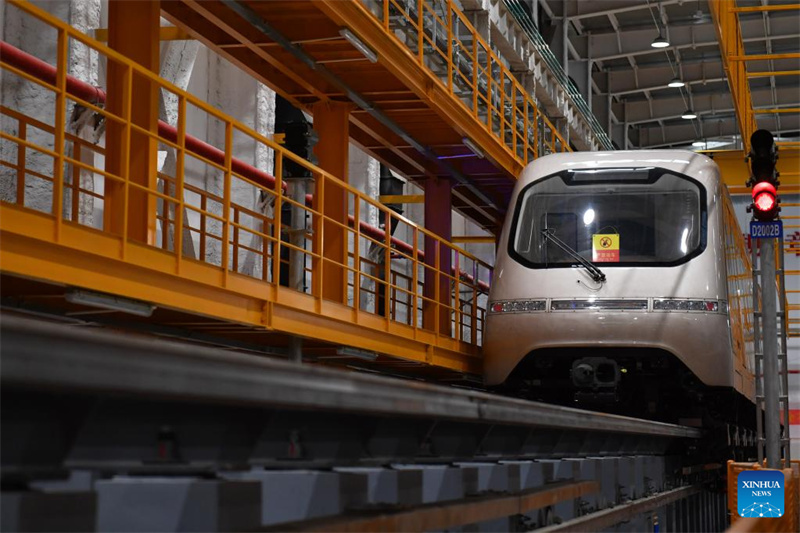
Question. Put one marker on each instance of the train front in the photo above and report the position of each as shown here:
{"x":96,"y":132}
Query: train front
{"x":610,"y":280}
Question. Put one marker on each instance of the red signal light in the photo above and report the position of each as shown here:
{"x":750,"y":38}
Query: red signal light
{"x":765,"y":201}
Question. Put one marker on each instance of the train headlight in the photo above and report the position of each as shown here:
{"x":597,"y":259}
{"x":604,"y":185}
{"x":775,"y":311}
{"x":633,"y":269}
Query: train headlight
{"x":707,"y":306}
{"x":594,"y":304}
{"x":518,"y":306}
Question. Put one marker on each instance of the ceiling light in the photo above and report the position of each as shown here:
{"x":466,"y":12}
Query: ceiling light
{"x":698,"y":143}
{"x":700,"y":17}
{"x":659,"y":42}
{"x":360,"y":46}
{"x":676,"y":82}
{"x":347,"y":351}
{"x":689,"y":114}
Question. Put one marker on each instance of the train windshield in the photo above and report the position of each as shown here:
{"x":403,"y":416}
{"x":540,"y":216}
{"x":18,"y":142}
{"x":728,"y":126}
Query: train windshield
{"x":625,"y":217}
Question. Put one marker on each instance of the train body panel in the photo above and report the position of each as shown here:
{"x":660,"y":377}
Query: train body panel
{"x":696,"y":334}
{"x":666,"y":287}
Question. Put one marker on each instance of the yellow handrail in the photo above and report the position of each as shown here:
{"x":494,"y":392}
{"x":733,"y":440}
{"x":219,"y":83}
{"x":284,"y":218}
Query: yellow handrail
{"x":472,"y":73}
{"x":229,"y":266}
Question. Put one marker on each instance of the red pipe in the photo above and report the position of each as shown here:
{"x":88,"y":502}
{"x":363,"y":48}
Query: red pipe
{"x":212,"y":153}
{"x":95,"y":95}
{"x":402,"y":246}
{"x":47,"y":73}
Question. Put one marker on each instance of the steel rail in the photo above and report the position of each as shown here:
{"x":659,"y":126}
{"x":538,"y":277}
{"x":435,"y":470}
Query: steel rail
{"x":45,"y":355}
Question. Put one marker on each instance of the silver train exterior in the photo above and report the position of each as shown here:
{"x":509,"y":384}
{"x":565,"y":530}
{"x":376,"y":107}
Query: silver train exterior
{"x":679,"y":283}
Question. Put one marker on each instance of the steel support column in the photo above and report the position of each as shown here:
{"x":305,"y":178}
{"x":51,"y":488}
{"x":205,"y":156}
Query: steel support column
{"x":565,"y":38}
{"x":589,"y":65}
{"x":438,"y":219}
{"x":133,"y":30}
{"x":769,"y":331}
{"x":331,"y":121}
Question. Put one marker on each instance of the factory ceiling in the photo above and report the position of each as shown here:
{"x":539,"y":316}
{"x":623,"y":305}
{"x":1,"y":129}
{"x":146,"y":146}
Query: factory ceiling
{"x":616,"y":36}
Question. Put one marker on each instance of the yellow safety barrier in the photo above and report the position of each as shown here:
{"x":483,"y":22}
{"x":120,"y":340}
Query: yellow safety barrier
{"x":183,"y":241}
{"x":791,"y":249}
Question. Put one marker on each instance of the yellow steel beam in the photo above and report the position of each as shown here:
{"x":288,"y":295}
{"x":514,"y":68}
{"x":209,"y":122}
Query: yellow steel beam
{"x":729,"y":35}
{"x":406,"y":67}
{"x":410,"y":67}
{"x":768,"y":74}
{"x":88,"y":259}
{"x":763,"y":57}
{"x":402,"y":198}
{"x":131,"y":153}
{"x":470,"y":239}
{"x":45,"y":247}
{"x":777,"y":110}
{"x":166,"y":33}
{"x":757,"y":9}
{"x":332,"y":123}
{"x":735,"y":170}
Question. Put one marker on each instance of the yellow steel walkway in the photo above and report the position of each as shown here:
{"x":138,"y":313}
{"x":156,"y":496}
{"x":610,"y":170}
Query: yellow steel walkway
{"x":725,"y":14}
{"x":226,"y":280}
{"x":433,"y":76}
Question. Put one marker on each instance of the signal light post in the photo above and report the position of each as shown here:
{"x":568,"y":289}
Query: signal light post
{"x":765,"y":229}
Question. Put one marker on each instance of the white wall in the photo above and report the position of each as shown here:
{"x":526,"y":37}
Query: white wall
{"x":38,"y":39}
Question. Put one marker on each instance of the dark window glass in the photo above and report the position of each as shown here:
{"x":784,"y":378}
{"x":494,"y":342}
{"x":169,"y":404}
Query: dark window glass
{"x":659,"y":217}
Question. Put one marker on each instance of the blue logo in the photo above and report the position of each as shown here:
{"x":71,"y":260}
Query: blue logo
{"x":760,"y":493}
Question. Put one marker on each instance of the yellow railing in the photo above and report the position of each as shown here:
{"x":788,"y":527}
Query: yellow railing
{"x":791,"y":252}
{"x":213,"y":250}
{"x":449,"y":47}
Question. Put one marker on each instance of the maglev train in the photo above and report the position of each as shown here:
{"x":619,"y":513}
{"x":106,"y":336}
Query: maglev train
{"x":622,"y":279}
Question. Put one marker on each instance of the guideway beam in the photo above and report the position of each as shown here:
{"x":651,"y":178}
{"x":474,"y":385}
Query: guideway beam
{"x":261,"y":412}
{"x":152,"y":366}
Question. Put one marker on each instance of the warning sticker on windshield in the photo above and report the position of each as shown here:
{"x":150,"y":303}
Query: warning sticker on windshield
{"x":605,"y":248}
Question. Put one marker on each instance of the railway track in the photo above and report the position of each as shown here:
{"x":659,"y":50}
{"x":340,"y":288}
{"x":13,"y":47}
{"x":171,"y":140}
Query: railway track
{"x":121,"y":417}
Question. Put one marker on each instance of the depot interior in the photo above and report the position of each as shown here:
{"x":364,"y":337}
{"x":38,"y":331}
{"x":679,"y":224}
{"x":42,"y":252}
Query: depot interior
{"x":247,"y":254}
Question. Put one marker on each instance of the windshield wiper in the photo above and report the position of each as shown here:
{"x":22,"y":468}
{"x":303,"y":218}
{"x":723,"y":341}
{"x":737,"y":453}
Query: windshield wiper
{"x":596,"y":273}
